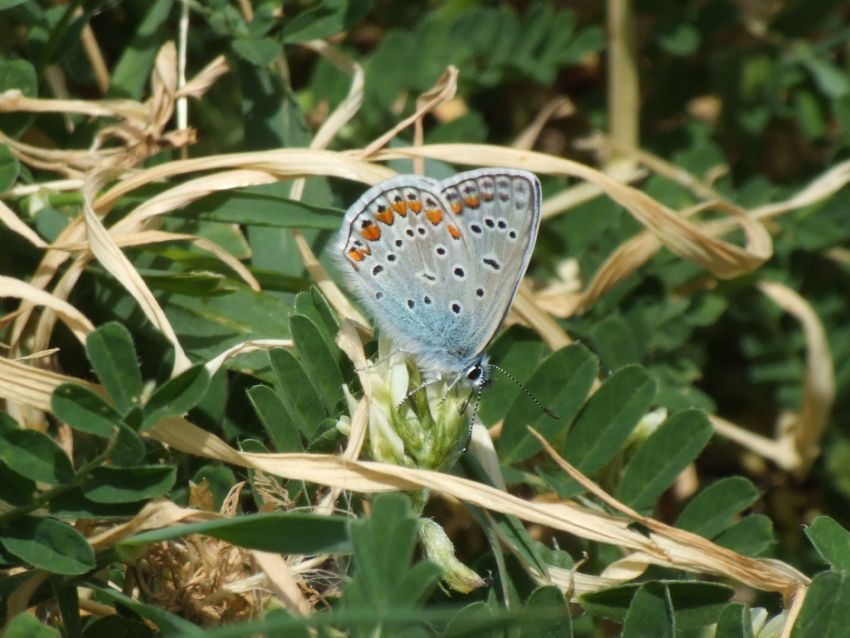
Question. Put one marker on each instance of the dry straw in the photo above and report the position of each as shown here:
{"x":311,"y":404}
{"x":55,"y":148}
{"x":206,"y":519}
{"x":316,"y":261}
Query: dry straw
{"x":106,"y":175}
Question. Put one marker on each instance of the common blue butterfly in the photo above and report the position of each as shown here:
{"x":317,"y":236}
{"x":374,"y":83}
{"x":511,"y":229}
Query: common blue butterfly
{"x":438,"y":263}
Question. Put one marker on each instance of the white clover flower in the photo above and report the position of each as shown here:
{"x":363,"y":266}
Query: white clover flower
{"x":647,"y":426}
{"x":409,"y":424}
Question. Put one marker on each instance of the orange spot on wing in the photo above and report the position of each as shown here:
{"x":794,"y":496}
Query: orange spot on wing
{"x":386,"y":217}
{"x":472,"y":201}
{"x":434,"y":215}
{"x":454,"y":232}
{"x":400,"y":208}
{"x":356,"y":255}
{"x":415,"y":206}
{"x":487,"y":197}
{"x":457,"y":208}
{"x":371,"y":232}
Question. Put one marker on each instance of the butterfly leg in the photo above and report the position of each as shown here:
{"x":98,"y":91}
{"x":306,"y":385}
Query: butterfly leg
{"x":421,"y":386}
{"x":387,"y":358}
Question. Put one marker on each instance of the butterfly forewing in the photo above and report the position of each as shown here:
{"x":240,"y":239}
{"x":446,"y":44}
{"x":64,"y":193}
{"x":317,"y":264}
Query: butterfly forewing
{"x":499,"y":210}
{"x":438,"y":264}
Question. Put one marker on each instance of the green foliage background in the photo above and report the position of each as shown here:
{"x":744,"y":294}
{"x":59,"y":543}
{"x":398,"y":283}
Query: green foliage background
{"x":754,"y":97}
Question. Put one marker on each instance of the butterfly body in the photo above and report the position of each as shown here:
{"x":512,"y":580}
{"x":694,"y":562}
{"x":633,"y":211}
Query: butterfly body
{"x":438,"y":263}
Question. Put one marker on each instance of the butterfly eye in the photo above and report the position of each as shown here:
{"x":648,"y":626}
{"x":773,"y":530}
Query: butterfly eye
{"x":474,"y":374}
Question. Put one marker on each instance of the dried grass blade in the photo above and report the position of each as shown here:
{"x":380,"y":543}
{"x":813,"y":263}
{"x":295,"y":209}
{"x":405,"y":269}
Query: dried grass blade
{"x":682,"y":237}
{"x":117,"y":264}
{"x":17,"y":225}
{"x":76,"y":321}
{"x":689,"y":551}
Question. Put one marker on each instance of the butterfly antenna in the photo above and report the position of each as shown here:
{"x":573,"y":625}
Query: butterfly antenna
{"x":527,"y":392}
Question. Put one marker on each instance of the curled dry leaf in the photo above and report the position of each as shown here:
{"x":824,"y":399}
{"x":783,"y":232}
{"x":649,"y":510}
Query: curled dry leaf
{"x":818,"y":392}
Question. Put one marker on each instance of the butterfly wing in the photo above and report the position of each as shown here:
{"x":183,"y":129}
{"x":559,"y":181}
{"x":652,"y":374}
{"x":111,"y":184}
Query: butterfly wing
{"x":499,"y":209}
{"x":438,"y":264}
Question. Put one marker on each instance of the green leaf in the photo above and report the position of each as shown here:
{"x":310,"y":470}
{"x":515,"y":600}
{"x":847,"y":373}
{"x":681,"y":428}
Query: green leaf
{"x":608,"y":418}
{"x":69,"y":605}
{"x":662,"y":457}
{"x":197,"y":283}
{"x":168,"y":623}
{"x":276,"y":419}
{"x":128,"y":484}
{"x":616,"y":342}
{"x":750,"y":536}
{"x":15,"y":489}
{"x":9,"y":168}
{"x":326,"y":319}
{"x":263,"y":205}
{"x":383,"y":550}
{"x":548,"y":602}
{"x":561,"y":383}
{"x":209,"y":325}
{"x":25,"y":625}
{"x":35,"y":456}
{"x":131,"y":73}
{"x":259,"y":51}
{"x":519,"y":351}
{"x":832,"y":542}
{"x":129,"y":448}
{"x":650,"y":614}
{"x":696,"y":604}
{"x":320,"y":362}
{"x":112,"y":355}
{"x":48,"y":544}
{"x":84,"y":410}
{"x":831,"y":80}
{"x":326,"y":19}
{"x":734,"y":622}
{"x":308,"y":303}
{"x":17,"y":75}
{"x":281,"y":532}
{"x":176,"y":396}
{"x":711,"y":511}
{"x":297,"y":393}
{"x":682,"y":40}
{"x":115,"y":625}
{"x":71,"y":504}
{"x":826,"y":610}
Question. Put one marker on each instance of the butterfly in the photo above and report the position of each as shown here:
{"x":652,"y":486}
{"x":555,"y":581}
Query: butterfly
{"x":438,"y":263}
